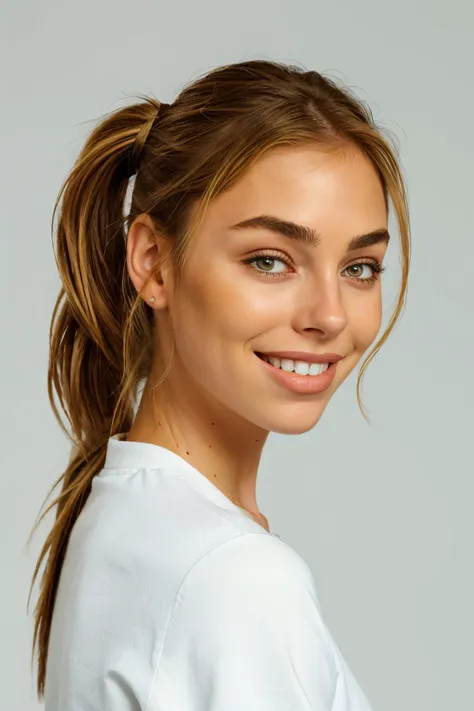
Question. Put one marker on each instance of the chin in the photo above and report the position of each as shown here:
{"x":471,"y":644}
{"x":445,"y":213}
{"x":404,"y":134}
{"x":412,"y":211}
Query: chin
{"x":295,"y":420}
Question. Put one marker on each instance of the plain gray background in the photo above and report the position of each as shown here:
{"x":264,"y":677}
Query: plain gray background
{"x":381,"y":512}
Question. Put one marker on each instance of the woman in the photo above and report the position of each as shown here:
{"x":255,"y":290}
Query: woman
{"x":242,"y":288}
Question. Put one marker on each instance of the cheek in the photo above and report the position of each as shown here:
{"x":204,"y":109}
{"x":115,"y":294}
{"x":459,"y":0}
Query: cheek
{"x":365,"y":319}
{"x":224,"y":307}
{"x":210,"y":315}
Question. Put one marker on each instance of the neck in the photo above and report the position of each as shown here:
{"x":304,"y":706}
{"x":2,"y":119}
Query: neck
{"x":222,"y":446}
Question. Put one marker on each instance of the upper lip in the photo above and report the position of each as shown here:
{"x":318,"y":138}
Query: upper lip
{"x":304,"y":356}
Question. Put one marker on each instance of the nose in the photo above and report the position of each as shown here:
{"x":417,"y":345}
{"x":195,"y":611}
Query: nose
{"x":321,"y":308}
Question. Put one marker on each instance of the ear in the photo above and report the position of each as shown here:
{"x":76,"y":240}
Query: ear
{"x":144,"y":246}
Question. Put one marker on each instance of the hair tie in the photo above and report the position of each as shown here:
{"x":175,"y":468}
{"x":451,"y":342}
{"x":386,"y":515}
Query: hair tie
{"x":142,"y":138}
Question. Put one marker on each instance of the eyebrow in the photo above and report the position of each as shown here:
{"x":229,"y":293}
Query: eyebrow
{"x":307,"y":235}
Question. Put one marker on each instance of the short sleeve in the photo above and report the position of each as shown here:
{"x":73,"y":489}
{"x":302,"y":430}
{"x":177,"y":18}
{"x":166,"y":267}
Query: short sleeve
{"x":246,"y":633}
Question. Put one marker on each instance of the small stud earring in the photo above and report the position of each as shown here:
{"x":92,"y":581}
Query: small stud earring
{"x":152,"y":299}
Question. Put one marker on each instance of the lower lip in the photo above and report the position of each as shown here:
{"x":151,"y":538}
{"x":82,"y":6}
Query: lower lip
{"x":306,"y":384}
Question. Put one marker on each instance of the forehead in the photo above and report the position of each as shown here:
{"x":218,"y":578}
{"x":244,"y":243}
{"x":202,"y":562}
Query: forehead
{"x":333,"y":192}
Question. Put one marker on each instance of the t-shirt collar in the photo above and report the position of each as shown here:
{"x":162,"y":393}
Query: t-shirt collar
{"x":122,"y":454}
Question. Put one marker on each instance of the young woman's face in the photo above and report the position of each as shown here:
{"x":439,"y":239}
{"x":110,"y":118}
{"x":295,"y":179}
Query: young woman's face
{"x":254,"y":290}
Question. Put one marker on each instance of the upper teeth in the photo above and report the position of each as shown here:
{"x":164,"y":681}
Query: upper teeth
{"x":300,"y":367}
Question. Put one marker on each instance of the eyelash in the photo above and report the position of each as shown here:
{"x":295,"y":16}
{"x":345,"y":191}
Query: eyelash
{"x":375,"y":264}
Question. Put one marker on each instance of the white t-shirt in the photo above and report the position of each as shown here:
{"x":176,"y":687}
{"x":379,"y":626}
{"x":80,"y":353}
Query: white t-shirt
{"x":172,"y":598}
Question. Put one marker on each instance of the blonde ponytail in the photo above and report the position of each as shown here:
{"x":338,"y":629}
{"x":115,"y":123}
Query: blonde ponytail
{"x":86,"y":358}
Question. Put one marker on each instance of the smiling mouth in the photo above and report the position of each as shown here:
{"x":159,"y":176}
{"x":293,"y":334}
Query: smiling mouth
{"x":308,"y":369}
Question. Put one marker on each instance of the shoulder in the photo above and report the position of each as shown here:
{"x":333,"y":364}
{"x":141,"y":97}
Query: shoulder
{"x":253,"y":576}
{"x":246,"y":632}
{"x":250,"y":558}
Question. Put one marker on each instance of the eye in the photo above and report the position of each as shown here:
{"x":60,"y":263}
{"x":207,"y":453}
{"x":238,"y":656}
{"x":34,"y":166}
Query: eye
{"x":374,"y":265}
{"x":267,"y":262}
